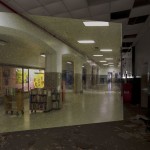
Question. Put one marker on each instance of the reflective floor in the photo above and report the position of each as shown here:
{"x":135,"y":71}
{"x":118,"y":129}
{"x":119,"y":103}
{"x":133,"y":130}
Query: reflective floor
{"x":102,"y":104}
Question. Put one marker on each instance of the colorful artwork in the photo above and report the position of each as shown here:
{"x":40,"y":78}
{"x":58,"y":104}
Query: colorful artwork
{"x":39,"y":80}
{"x":19,"y":76}
{"x":25,"y":75}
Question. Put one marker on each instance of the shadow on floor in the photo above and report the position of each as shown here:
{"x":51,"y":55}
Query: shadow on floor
{"x":128,"y":134}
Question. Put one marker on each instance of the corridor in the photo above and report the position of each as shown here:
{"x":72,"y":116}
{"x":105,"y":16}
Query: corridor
{"x":93,"y":106}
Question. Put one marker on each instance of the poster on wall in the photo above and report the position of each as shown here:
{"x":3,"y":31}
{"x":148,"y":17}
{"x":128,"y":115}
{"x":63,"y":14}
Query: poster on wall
{"x":25,"y":76}
{"x":39,"y":80}
{"x":19,"y":76}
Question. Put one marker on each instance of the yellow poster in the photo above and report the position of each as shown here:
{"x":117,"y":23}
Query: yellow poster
{"x":25,"y":76}
{"x":19,"y":76}
{"x":39,"y":80}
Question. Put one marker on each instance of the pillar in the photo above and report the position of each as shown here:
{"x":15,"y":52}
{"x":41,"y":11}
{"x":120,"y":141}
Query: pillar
{"x":98,"y":75}
{"x":88,"y":76}
{"x":94,"y":75}
{"x":78,"y":76}
{"x":53,"y":71}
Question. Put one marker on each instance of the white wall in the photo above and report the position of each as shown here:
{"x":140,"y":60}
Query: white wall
{"x":12,"y":25}
{"x":105,"y":70}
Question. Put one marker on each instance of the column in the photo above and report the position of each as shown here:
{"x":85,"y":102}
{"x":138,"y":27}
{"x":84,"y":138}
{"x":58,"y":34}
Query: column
{"x":78,"y":76}
{"x":53,"y":71}
{"x":94,"y":75}
{"x":98,"y":76}
{"x":88,"y":76}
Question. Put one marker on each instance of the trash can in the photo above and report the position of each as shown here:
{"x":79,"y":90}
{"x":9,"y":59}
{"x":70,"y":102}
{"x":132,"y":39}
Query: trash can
{"x":127,"y":92}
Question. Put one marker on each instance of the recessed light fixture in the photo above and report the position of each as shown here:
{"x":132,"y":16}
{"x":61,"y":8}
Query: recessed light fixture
{"x":68,"y":62}
{"x":111,"y":65}
{"x":43,"y":55}
{"x":109,"y":58}
{"x":97,"y":55}
{"x":103,"y":61}
{"x":95,"y":23}
{"x":86,"y":41}
{"x":105,"y":64}
{"x":105,"y":50}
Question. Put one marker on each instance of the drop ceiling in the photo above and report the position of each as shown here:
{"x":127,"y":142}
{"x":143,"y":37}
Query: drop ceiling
{"x":133,"y":14}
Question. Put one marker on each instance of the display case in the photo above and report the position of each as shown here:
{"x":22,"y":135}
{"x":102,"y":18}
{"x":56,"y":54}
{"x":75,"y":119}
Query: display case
{"x":40,"y":100}
{"x":14,"y":103}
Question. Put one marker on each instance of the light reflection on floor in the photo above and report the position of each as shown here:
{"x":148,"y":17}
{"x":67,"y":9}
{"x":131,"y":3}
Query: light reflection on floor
{"x":102,"y":104}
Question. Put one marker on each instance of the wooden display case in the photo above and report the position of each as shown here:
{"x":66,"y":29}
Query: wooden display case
{"x":14,"y":103}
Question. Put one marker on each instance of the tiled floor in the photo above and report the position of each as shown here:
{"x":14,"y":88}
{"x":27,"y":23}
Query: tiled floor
{"x":93,"y":106}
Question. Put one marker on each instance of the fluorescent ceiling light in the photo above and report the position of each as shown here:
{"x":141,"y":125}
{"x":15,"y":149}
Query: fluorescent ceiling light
{"x":109,"y":58}
{"x":110,"y":63}
{"x":97,"y":55}
{"x":105,"y":50}
{"x":43,"y":55}
{"x":86,"y":41}
{"x":69,"y":62}
{"x":103,"y":61}
{"x":105,"y":64}
{"x":95,"y":23}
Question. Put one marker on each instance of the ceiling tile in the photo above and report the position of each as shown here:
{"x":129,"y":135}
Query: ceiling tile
{"x":105,"y":17}
{"x":45,"y":2}
{"x":15,"y":6}
{"x":139,"y":3}
{"x":126,"y":44}
{"x":137,"y":20}
{"x":96,"y":2}
{"x":64,"y":15}
{"x":129,"y":40}
{"x":56,"y":8}
{"x":81,"y":13}
{"x":5,"y":0}
{"x":124,"y":21}
{"x":133,"y":29}
{"x":99,"y":9}
{"x":140,"y":11}
{"x":125,"y":50}
{"x":120,"y":14}
{"x":120,"y":5}
{"x":4,"y":9}
{"x":75,"y":4}
{"x":26,"y":5}
{"x":130,"y":36}
{"x":38,"y":11}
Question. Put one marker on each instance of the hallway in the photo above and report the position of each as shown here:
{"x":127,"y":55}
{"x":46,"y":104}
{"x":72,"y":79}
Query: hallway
{"x":93,"y":106}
